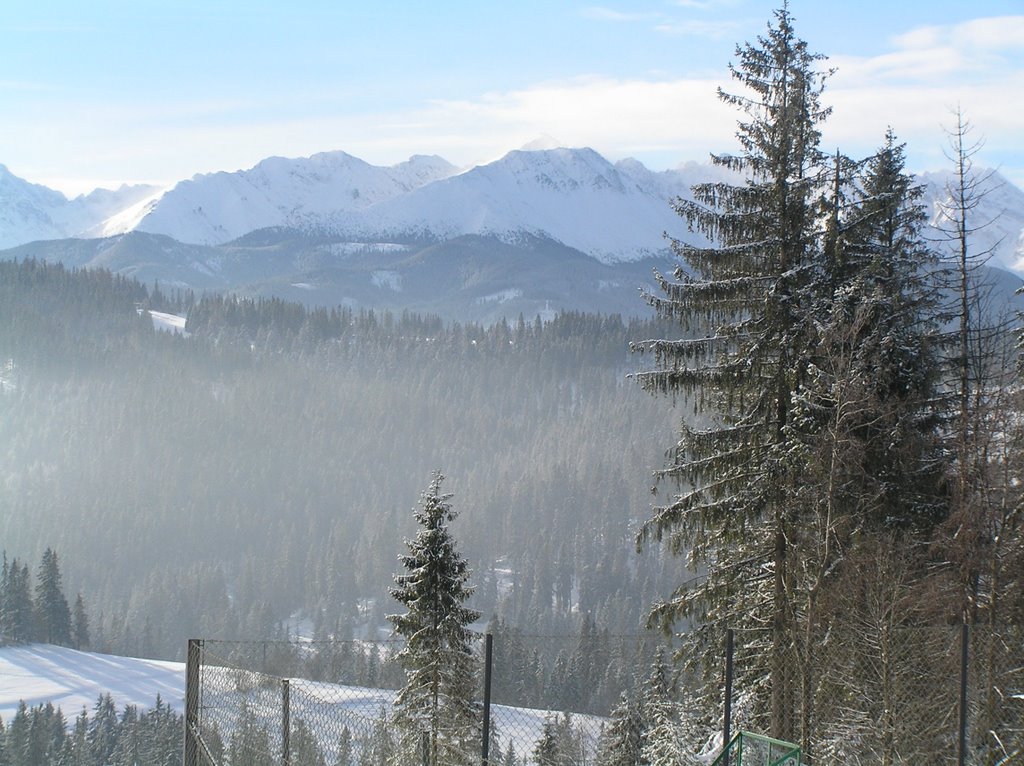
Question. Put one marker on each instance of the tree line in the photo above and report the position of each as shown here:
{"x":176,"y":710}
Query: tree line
{"x":42,"y":735}
{"x":40,"y":614}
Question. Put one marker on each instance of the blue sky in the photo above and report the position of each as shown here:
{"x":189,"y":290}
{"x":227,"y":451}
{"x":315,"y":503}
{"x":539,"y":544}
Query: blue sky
{"x":108,"y":91}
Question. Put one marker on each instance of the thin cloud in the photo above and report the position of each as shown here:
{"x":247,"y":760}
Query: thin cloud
{"x":958,"y":53}
{"x":989,"y":34}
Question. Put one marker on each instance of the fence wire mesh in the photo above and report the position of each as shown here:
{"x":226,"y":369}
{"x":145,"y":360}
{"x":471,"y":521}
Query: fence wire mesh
{"x":889,"y":698}
{"x":258,"y":705}
{"x":892,"y":696}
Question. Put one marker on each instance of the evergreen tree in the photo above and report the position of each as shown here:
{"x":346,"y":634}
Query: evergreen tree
{"x":250,"y":742}
{"x":621,"y":742}
{"x":886,"y":309}
{"x":18,"y":620}
{"x":547,"y":752}
{"x":662,"y":745}
{"x":128,"y":746}
{"x":865,"y":421}
{"x":18,"y":736}
{"x":345,"y":751}
{"x":436,"y":701}
{"x":53,"y":614}
{"x":379,"y":750}
{"x":80,"y":753}
{"x":80,"y":625}
{"x":510,"y":758}
{"x":748,"y":297}
{"x":306,"y":749}
{"x":103,"y":729}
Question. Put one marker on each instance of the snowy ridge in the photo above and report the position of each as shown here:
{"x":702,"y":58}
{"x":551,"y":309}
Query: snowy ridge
{"x":613,"y":213}
{"x":998,"y":220}
{"x":31,"y":212}
{"x":573,"y":196}
{"x":298,"y":193}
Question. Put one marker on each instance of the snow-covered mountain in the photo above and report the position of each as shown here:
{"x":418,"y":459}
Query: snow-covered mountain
{"x":572,"y":196}
{"x":298,"y":193}
{"x":31,"y":212}
{"x":213,"y":208}
{"x":997,"y":221}
{"x":538,"y":230}
{"x":575,"y":197}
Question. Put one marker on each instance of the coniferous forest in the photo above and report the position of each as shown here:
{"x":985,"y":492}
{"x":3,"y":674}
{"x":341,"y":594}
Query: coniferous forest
{"x":836,"y":420}
{"x":263,"y":468}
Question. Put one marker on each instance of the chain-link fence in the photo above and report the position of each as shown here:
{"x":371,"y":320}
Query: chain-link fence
{"x":253,"y":704}
{"x":890,"y":697}
{"x":893,"y":695}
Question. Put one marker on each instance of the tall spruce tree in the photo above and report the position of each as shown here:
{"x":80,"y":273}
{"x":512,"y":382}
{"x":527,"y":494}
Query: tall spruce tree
{"x":883,"y":316}
{"x":53,"y":613}
{"x":744,"y":301}
{"x":17,"y":614}
{"x":80,"y":625}
{"x":622,"y":741}
{"x":435,"y":711}
{"x":662,"y":744}
{"x":865,"y":418}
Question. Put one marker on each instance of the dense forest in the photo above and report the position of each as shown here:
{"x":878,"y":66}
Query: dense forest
{"x":43,"y":735}
{"x":263,"y":469}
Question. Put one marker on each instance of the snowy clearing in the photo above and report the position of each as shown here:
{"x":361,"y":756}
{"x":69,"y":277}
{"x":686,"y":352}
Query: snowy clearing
{"x":39,"y":673}
{"x":167,"y":322}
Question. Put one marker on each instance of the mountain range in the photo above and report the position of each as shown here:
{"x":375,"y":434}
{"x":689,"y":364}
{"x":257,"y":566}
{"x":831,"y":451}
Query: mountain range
{"x":538,"y":230}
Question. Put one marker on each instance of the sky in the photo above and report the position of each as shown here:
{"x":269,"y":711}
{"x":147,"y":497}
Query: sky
{"x":107,"y":92}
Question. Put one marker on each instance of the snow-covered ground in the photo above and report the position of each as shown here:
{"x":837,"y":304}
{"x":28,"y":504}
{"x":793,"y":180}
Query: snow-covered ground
{"x":71,"y":680}
{"x":39,"y":673}
{"x":168,"y":322}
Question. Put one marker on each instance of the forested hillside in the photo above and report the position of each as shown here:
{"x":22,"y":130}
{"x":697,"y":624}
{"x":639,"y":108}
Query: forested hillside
{"x":267,"y":464}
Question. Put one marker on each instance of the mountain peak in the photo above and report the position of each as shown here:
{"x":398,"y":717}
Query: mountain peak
{"x":542,"y":142}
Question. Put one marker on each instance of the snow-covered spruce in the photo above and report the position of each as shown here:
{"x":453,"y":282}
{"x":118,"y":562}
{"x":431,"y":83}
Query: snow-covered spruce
{"x":435,"y":716}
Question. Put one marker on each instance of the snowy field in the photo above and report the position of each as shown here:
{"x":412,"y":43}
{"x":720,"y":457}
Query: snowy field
{"x":71,"y":680}
{"x":39,"y":673}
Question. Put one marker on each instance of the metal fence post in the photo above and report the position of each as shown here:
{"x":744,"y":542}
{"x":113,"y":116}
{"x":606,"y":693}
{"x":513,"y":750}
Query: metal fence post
{"x":964,"y":641}
{"x":190,"y":748}
{"x":286,"y":723}
{"x":727,"y":727}
{"x":425,"y":748}
{"x":488,"y":656}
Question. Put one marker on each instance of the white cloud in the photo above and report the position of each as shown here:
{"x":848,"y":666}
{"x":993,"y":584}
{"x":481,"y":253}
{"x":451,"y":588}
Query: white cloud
{"x":993,"y":33}
{"x":660,"y":120}
{"x":931,"y":70}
